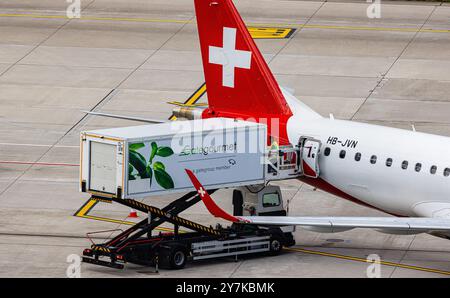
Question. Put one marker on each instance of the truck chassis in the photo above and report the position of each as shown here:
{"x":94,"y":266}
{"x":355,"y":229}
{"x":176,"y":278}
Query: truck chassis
{"x":172,"y":250}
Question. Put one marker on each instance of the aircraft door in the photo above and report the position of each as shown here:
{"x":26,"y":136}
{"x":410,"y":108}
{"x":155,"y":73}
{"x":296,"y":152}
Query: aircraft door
{"x":309,"y":153}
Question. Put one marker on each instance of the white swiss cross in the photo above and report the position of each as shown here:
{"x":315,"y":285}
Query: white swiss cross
{"x":229,"y":57}
{"x":201,"y":191}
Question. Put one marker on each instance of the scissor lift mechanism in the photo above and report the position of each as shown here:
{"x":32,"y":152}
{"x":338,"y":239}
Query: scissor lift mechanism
{"x":138,"y":244}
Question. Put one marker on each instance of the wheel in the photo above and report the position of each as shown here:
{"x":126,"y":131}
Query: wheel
{"x":238,"y":201}
{"x":177,"y":258}
{"x":275,"y":246}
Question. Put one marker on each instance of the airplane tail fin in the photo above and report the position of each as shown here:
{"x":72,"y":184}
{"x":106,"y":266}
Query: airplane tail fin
{"x":208,"y":201}
{"x":238,"y":79}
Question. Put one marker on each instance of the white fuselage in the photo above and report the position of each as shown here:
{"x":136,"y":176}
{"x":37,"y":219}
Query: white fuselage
{"x":389,"y":188}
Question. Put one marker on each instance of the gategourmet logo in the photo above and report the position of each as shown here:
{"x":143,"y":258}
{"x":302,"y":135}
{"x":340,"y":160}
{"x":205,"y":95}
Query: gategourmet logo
{"x":205,"y":150}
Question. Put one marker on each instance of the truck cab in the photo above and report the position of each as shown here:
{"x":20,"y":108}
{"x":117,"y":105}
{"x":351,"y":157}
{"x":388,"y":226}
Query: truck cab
{"x":260,"y":200}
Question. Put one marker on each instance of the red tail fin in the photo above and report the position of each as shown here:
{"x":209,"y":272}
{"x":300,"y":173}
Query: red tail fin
{"x":209,"y":203}
{"x":239,"y":82}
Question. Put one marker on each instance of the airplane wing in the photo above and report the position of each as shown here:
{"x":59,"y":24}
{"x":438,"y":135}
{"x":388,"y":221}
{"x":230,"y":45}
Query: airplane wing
{"x":406,"y":224}
{"x":418,"y":224}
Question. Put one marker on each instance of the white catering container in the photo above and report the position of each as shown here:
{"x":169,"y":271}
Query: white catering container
{"x":140,"y":161}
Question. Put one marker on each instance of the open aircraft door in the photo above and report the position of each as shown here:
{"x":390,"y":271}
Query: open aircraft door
{"x":309,"y":156}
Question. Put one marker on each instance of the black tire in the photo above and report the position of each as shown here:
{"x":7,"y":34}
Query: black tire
{"x":276,"y":246}
{"x":177,"y":257}
{"x":238,"y":201}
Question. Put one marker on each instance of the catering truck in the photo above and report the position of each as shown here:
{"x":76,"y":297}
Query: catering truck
{"x":125,"y":164}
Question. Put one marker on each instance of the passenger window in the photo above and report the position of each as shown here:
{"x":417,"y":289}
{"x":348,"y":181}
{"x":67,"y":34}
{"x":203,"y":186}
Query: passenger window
{"x":358,"y":156}
{"x":327,"y":151}
{"x":433,"y":170}
{"x":418,"y":167}
{"x":447,"y":172}
{"x":404,"y":164}
{"x":271,"y":200}
{"x":389,"y":162}
{"x":342,"y":154}
{"x":373,"y":159}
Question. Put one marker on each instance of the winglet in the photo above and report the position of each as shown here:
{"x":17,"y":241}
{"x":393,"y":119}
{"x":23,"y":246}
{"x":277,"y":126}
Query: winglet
{"x":208,"y":201}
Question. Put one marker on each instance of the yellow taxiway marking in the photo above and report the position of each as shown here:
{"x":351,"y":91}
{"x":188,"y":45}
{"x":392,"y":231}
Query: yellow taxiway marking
{"x":257,"y":35}
{"x":182,"y":104}
{"x":386,"y":263}
{"x":86,"y":207}
{"x":63,"y":17}
{"x":270,"y":32}
{"x":83,"y":212}
{"x":376,"y":28}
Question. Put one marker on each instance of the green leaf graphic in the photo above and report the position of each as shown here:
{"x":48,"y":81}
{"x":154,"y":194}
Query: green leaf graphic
{"x":159,"y":166}
{"x":152,"y":154}
{"x":130,"y":171}
{"x":146,"y":170}
{"x":148,"y":174}
{"x":138,"y":162}
{"x":164,"y":151}
{"x":136,"y":146}
{"x":163,"y":179}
